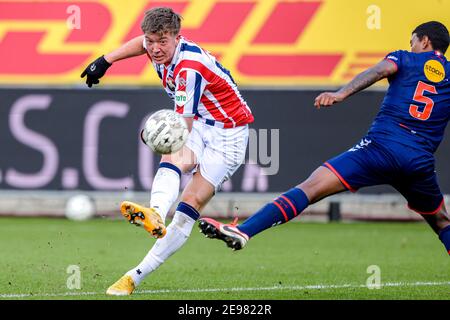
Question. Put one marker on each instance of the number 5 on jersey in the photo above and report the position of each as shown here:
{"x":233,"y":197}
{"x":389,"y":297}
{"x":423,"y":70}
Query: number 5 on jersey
{"x":419,"y":97}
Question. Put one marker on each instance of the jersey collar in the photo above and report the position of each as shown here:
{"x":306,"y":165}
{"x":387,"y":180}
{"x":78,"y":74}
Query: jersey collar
{"x":172,"y":63}
{"x":439,"y":55}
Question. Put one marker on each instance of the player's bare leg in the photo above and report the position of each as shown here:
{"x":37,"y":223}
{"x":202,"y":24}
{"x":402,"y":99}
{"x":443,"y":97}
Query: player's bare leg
{"x":440,"y":223}
{"x":439,"y":220}
{"x":164,"y":193}
{"x":320,"y":184}
{"x":198,"y":192}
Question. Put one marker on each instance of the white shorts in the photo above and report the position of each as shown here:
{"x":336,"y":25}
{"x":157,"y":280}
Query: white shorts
{"x":219,"y":151}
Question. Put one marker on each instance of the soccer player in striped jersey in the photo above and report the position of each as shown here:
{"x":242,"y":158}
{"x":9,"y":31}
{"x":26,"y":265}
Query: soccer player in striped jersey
{"x":204,"y":92}
{"x":397,"y":150}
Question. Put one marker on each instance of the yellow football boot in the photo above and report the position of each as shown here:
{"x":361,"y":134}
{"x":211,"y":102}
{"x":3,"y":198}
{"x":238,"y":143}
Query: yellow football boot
{"x":142,"y":216}
{"x":122,"y":287}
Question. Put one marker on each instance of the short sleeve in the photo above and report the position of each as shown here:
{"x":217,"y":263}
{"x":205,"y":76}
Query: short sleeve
{"x":396,"y":58}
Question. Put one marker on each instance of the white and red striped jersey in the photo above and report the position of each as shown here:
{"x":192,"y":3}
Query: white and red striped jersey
{"x":202,"y":88}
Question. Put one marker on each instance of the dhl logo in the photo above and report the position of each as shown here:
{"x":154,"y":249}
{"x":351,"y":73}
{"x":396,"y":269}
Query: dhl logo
{"x":262,"y":42}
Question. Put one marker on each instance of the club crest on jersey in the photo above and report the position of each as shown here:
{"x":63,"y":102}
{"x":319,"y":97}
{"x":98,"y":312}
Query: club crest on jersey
{"x":170,"y":83}
{"x":180,"y":98}
{"x":182,"y":82}
{"x":434,"y":71}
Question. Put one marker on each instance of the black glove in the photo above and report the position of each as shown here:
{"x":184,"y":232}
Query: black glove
{"x":95,"y":71}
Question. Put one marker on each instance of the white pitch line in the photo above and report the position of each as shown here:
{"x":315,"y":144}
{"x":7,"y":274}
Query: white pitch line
{"x":199,"y":290}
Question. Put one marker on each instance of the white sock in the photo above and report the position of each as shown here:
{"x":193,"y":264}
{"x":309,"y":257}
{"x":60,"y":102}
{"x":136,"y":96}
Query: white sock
{"x":178,"y":232}
{"x":165,"y":188}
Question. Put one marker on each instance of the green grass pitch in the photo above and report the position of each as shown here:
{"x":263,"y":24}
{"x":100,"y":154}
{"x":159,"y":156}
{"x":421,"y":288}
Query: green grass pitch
{"x":293,"y":261}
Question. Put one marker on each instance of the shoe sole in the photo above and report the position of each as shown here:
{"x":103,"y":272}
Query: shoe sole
{"x":211,"y":231}
{"x":136,"y":217}
{"x":117,"y":293}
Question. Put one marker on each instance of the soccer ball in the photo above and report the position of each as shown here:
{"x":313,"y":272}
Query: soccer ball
{"x":165,"y":132}
{"x":80,"y":207}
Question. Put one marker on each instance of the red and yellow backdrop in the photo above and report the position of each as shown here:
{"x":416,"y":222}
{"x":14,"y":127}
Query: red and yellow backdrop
{"x":262,"y":42}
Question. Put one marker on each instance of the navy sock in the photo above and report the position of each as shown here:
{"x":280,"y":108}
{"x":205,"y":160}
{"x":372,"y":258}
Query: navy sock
{"x":444,"y":236}
{"x":170,"y":166}
{"x":281,"y":210}
{"x":188,"y":210}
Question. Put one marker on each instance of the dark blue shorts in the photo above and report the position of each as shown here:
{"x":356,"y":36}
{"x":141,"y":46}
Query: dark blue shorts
{"x":410,"y":171}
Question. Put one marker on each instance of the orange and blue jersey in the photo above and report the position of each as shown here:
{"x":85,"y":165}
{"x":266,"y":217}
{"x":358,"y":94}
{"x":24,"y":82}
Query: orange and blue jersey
{"x":416,"y":108}
{"x":202,"y":88}
{"x":398,"y":148}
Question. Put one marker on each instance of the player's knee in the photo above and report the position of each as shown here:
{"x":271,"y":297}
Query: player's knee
{"x":312,"y":187}
{"x":177,"y":164}
{"x":442,"y":220}
{"x":320,"y":184}
{"x":183,"y":159}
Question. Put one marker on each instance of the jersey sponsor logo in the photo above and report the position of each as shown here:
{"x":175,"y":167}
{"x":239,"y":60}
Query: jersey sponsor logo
{"x":38,"y":47}
{"x":434,"y":71}
{"x":182,"y":81}
{"x":37,"y":42}
{"x":36,"y":32}
{"x":180,"y":98}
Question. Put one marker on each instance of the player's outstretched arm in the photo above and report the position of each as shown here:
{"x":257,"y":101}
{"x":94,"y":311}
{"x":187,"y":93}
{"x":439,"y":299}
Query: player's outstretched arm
{"x":129,"y":49}
{"x":363,"y":80}
{"x":97,"y":68}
